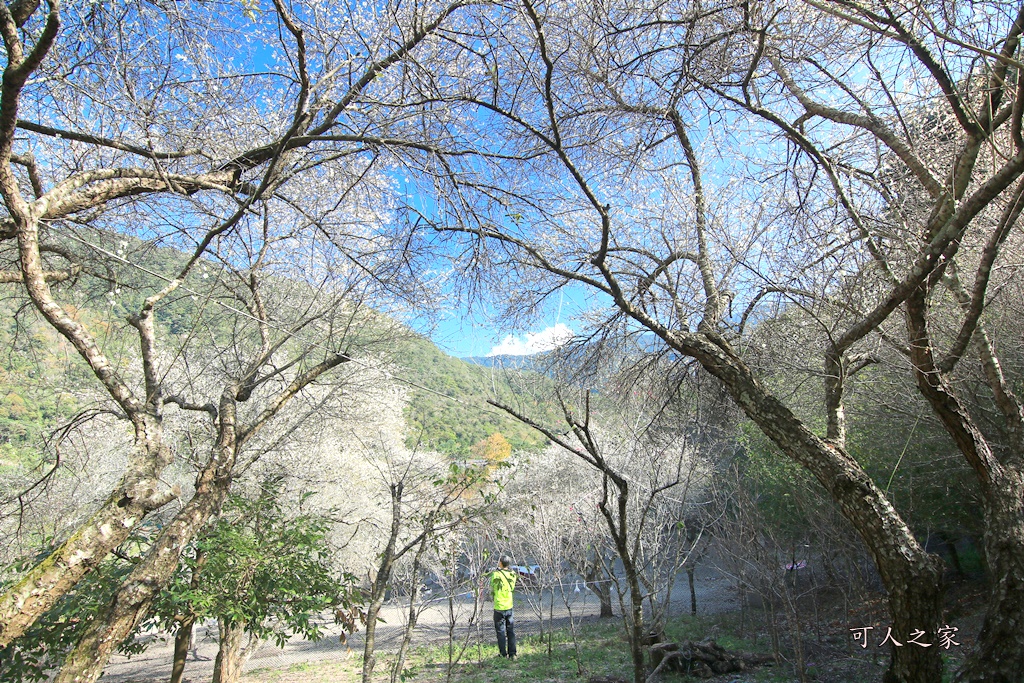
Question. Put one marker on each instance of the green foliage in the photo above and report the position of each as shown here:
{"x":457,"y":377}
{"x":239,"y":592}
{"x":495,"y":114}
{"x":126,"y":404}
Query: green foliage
{"x":260,"y":565}
{"x":913,"y":459}
{"x":784,"y":492}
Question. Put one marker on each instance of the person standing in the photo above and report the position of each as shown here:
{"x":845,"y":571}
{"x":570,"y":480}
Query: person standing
{"x":503,"y":584}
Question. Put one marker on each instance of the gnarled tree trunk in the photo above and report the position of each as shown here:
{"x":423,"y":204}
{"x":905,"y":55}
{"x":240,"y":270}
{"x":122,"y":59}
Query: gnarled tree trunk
{"x":911,"y":576}
{"x":36,"y":592}
{"x":136,"y":594}
{"x":999,"y":654}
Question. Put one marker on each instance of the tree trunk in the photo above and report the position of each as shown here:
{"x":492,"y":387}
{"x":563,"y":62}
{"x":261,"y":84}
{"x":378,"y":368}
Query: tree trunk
{"x":136,"y":594}
{"x":32,"y":596}
{"x":600,"y":584}
{"x":551,"y":620}
{"x":618,"y":527}
{"x":636,"y":626}
{"x":182,"y":641}
{"x":999,"y":655}
{"x":414,"y":594}
{"x":369,"y":637}
{"x":381,"y":581}
{"x":619,"y":531}
{"x":954,"y":556}
{"x":604,"y":594}
{"x":134,"y":597}
{"x":403,"y":648}
{"x":227,"y":668}
{"x":914,"y":601}
{"x":693,"y":589}
{"x":912,"y":577}
{"x":183,"y":638}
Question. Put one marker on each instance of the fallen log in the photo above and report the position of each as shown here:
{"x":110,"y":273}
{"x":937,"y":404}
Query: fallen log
{"x":703,"y":659}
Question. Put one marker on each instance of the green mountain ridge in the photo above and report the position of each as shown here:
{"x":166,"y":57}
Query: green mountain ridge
{"x":460,"y":417}
{"x":43,"y":383}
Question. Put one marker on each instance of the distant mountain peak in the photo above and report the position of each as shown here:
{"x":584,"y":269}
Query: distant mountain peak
{"x":533,"y":361}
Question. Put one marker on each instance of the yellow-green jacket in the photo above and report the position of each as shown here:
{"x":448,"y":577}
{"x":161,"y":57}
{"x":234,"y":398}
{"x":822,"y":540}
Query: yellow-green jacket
{"x":503,"y":582}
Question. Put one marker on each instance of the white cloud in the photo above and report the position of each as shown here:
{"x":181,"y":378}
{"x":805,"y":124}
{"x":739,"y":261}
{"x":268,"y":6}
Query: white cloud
{"x":545,"y":340}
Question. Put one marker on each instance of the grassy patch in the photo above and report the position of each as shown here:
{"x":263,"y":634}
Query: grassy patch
{"x":602,"y":647}
{"x":724,"y":629}
{"x":347,"y":671}
{"x":603,"y":652}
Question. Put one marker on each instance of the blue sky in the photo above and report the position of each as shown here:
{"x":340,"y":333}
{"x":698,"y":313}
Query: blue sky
{"x":465,"y":333}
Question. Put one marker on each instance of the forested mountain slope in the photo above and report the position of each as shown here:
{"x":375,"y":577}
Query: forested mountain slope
{"x":43,"y":384}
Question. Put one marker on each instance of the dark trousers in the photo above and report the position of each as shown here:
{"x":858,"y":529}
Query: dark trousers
{"x":504,"y":624}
